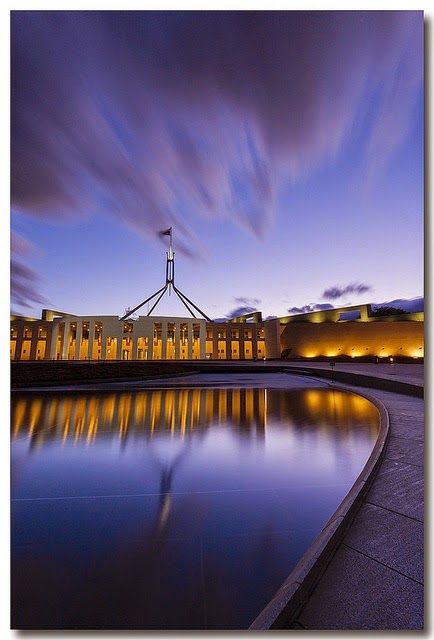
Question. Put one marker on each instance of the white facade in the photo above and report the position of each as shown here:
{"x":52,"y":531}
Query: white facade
{"x":108,"y":338}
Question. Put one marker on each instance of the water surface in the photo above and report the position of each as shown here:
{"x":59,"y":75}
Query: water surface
{"x":172,"y":509}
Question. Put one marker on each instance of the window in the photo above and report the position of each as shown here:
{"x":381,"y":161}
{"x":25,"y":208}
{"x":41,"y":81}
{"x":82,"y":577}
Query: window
{"x":27,"y":332}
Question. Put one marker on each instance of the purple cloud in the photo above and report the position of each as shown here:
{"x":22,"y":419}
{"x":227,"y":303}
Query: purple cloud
{"x":357,"y":288}
{"x":154,"y":113}
{"x":161,"y":118}
{"x":308,"y":308}
{"x":248,"y":301}
{"x":24,"y":281}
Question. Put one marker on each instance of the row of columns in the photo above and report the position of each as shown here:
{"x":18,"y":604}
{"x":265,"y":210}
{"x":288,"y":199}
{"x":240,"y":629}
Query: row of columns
{"x":113,"y":331}
{"x":228,"y":344}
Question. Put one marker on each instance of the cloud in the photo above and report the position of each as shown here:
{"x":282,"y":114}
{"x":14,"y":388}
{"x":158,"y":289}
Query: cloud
{"x":246,"y":305}
{"x":162,"y":117}
{"x":307,"y":308}
{"x":357,"y":288}
{"x":159,"y":119}
{"x":23,"y":286}
{"x":248,"y":301}
{"x":240,"y":311}
{"x":24,"y":280}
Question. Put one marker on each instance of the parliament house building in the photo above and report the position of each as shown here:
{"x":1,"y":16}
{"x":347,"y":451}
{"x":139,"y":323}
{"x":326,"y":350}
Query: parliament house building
{"x":338,"y":333}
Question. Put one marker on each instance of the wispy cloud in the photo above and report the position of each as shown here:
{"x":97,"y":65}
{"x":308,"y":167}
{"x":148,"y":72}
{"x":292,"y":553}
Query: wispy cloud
{"x":24,"y":280}
{"x":246,"y":305}
{"x":161,"y":118}
{"x":337,"y":291}
{"x":152,"y":114}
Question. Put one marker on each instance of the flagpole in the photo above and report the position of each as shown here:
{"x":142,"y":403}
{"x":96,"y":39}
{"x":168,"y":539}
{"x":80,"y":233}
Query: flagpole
{"x":170,"y":244}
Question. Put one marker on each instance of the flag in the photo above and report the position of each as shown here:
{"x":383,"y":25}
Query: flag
{"x":166,"y":232}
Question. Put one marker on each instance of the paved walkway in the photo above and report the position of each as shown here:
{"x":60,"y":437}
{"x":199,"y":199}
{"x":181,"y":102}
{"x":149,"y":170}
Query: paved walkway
{"x":375,"y":579}
{"x":413,"y":373}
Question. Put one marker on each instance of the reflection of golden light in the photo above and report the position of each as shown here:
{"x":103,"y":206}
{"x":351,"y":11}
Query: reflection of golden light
{"x":313,"y":398}
{"x":249,"y":406}
{"x":124,"y":413}
{"x":19,"y":413}
{"x":236,"y":404}
{"x":178,"y":410}
{"x":108,"y":408}
{"x":35,"y":413}
{"x":80,"y":408}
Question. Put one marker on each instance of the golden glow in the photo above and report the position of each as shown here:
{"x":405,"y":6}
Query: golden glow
{"x":179,"y":412}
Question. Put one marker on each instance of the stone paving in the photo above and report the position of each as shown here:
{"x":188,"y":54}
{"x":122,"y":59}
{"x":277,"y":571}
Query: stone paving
{"x":375,"y":579}
{"x":413,"y":373}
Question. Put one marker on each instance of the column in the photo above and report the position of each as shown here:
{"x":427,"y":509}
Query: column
{"x":242,"y":354}
{"x":103,"y":343}
{"x":53,"y":346}
{"x":78,"y":335}
{"x":64,"y":352}
{"x":255,"y":343}
{"x":150,"y":335}
{"x":119,"y":335}
{"x":163,"y":340}
{"x":33,"y":343}
{"x":91,"y":339}
{"x":202,"y":340}
{"x":19,"y":344}
{"x":190,"y":339}
{"x":177,"y":340}
{"x":228,"y":342}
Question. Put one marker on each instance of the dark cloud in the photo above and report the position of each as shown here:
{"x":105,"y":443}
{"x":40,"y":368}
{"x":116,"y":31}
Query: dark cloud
{"x":159,"y":117}
{"x":248,"y":301}
{"x":357,"y":288}
{"x":24,"y":281}
{"x":246,"y":305}
{"x":241,"y":311}
{"x":24,"y":286}
{"x":307,"y":308}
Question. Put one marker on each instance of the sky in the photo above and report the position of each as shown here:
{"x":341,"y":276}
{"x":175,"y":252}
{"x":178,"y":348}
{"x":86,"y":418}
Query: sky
{"x":284,"y":148}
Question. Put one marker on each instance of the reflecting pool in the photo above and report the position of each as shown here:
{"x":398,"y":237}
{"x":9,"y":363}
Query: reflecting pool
{"x":173,"y":509}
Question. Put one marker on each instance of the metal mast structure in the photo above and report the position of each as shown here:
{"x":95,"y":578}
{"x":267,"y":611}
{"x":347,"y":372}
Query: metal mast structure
{"x":168,"y":286}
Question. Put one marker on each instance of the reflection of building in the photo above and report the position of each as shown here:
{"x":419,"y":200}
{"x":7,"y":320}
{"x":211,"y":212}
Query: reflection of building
{"x":182,"y":412}
{"x":148,"y":413}
{"x":349,"y":331}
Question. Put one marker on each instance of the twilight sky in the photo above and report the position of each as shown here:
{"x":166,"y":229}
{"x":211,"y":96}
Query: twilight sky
{"x":285,"y":149}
